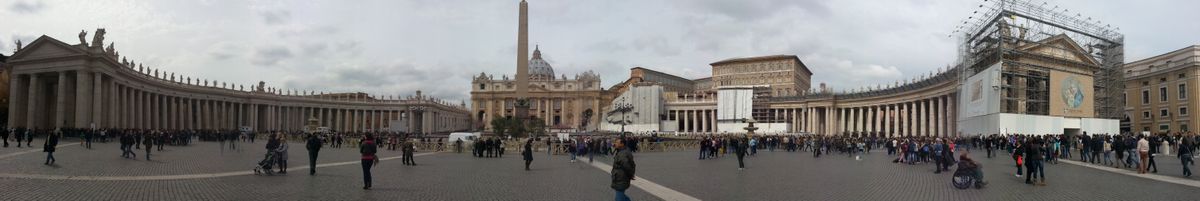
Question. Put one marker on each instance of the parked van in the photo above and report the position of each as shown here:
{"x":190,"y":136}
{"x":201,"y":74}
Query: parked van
{"x":467,"y":138}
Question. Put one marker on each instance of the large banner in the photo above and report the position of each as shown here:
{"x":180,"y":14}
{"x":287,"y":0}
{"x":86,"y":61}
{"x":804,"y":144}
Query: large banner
{"x":1071,"y":95}
{"x":734,"y":103}
{"x":979,"y":94}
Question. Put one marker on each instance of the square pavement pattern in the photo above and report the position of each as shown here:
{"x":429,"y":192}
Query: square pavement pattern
{"x":204,"y":171}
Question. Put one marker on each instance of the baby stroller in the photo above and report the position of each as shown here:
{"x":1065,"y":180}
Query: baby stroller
{"x":267,"y":165}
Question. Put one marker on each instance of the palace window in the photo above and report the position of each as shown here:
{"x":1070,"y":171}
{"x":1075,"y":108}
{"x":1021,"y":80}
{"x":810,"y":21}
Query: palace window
{"x":482,"y":86}
{"x":1145,"y":97}
{"x":1182,"y":91}
{"x":1183,"y":111}
{"x":1162,"y":94}
{"x":1145,"y":115}
{"x":1163,"y":112}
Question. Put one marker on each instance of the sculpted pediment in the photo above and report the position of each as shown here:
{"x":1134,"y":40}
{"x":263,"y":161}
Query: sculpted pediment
{"x":45,"y":47}
{"x":1062,"y":47}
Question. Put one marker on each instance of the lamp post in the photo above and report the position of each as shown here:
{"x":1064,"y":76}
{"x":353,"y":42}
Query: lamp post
{"x":622,"y":107}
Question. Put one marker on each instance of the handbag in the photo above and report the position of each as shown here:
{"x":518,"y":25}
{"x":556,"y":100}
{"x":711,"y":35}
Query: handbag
{"x":1020,"y":160}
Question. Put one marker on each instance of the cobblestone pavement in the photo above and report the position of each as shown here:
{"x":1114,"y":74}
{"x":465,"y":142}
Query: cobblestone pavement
{"x":440,"y":176}
{"x":799,"y":176}
{"x":451,"y":176}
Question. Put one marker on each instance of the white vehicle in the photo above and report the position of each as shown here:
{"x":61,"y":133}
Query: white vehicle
{"x":467,"y":138}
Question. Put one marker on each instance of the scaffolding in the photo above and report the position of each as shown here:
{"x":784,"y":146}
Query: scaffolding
{"x":999,"y":30}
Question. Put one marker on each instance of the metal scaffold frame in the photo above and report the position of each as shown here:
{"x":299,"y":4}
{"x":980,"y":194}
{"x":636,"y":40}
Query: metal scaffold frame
{"x":996,"y":31}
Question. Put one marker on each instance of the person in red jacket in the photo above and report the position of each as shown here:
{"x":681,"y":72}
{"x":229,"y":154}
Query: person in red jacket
{"x":367,"y":149}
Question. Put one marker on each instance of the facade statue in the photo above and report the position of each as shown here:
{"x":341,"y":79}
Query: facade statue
{"x":261,"y":84}
{"x":98,"y":38}
{"x":82,"y":35}
{"x":18,"y":45}
{"x":110,"y":48}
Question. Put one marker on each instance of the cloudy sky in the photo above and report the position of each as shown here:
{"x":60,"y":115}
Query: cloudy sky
{"x":393,"y":47}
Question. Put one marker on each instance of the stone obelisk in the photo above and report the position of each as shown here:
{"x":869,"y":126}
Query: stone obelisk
{"x":522,"y":104}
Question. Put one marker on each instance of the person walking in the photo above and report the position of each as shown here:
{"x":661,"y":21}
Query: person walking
{"x":1034,"y":152}
{"x":1143,"y":149}
{"x":458,"y":145}
{"x":739,"y":146}
{"x":87,"y":138}
{"x":28,"y":138}
{"x":19,"y":136}
{"x":527,"y":153}
{"x":4,"y":136}
{"x":408,"y":150}
{"x":313,"y":145}
{"x":1019,"y":157}
{"x":367,"y":149}
{"x":50,"y":146}
{"x":148,"y":141}
{"x":623,"y":169}
{"x":1185,"y":155}
{"x":283,"y":153}
{"x":1155,"y":143}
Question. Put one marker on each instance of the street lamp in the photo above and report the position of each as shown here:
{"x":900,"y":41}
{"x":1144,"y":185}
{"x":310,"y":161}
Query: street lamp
{"x":622,"y":107}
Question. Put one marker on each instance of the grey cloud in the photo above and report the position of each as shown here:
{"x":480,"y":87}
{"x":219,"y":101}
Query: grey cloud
{"x":754,"y":10}
{"x":276,"y":17}
{"x":313,"y":49}
{"x":270,"y":56}
{"x":26,"y":7}
{"x":657,"y":44}
{"x":220,"y":55}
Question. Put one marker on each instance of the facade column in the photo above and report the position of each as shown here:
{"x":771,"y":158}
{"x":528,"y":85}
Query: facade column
{"x":903,"y":115}
{"x":871,"y":120}
{"x":885,"y":127}
{"x":82,"y":95}
{"x":61,"y":101}
{"x":952,"y":110}
{"x":937,"y":119}
{"x":17,"y":101}
{"x":97,"y":103}
{"x":34,"y":102}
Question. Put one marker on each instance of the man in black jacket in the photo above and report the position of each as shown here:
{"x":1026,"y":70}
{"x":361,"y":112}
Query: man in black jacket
{"x":4,"y":136}
{"x":1033,"y":161}
{"x":740,"y":148}
{"x":623,"y":169}
{"x":313,"y":145}
{"x":50,"y":146}
{"x":526,"y":153}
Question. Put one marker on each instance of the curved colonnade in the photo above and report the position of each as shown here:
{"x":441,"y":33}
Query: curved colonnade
{"x":57,"y":85}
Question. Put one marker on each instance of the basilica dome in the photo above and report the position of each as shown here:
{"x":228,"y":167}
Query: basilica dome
{"x":539,"y":69}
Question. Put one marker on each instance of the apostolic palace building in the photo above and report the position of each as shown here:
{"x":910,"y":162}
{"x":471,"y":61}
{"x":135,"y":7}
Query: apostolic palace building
{"x":85,"y":85}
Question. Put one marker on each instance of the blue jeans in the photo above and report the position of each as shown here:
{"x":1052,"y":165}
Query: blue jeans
{"x":1108,"y":158}
{"x":49,"y":157}
{"x":1185,"y":159}
{"x":366,"y":167}
{"x":621,"y":196}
